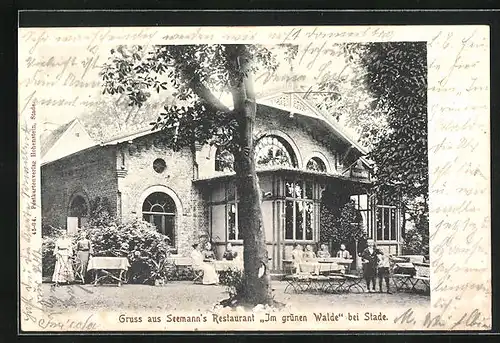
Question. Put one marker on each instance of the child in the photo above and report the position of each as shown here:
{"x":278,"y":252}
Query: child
{"x":383,"y":270}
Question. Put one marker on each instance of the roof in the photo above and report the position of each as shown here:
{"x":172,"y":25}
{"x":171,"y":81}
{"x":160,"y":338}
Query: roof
{"x":285,"y":101}
{"x":59,"y":143}
{"x":298,"y":105}
{"x":280,"y":169}
{"x":51,"y":139}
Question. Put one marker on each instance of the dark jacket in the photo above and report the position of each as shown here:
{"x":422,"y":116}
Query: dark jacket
{"x":369,"y":268}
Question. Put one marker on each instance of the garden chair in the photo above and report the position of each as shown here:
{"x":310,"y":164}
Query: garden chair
{"x":198,"y":276}
{"x":79,"y":274}
{"x":402,"y":274}
{"x":422,"y":277}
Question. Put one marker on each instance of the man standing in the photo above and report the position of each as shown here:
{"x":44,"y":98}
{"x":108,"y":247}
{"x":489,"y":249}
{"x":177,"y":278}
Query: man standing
{"x":369,"y":260}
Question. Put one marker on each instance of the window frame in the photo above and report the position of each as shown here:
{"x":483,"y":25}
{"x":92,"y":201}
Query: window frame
{"x":296,"y":200}
{"x":162,"y":215}
{"x":381,"y":218}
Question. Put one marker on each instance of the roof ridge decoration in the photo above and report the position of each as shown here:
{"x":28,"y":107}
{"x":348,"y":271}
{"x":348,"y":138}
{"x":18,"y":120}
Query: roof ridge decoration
{"x":291,"y":101}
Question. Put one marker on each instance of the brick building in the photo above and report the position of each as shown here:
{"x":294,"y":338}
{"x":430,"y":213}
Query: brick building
{"x":191,"y":194}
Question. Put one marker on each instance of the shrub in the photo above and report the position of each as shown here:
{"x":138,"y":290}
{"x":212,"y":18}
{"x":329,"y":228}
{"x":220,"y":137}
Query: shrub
{"x":233,"y":279}
{"x":146,"y":249}
{"x":415,"y":243}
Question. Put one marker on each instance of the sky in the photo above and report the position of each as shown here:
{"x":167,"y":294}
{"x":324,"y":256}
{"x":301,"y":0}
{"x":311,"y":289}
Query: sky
{"x":66,"y":84}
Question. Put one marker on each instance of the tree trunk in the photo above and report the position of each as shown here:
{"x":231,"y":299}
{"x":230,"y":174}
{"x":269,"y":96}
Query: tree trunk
{"x":257,"y":288}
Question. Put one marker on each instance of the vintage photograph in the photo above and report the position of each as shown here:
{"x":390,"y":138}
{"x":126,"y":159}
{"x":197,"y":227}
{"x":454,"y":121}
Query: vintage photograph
{"x":295,"y":178}
{"x":226,"y":175}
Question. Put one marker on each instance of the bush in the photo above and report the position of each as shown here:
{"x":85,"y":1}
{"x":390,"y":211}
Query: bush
{"x":233,"y":279}
{"x":146,"y":249}
{"x":185,"y":273}
{"x":415,"y":243}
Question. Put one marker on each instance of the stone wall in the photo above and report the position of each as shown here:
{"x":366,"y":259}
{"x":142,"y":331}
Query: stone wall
{"x":295,"y":131}
{"x":90,"y":173}
{"x":139,"y":180}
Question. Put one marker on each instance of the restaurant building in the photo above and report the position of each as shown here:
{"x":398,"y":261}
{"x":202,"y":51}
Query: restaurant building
{"x":190,"y":195}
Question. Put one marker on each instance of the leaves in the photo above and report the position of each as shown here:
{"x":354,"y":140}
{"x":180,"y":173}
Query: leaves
{"x":344,"y":227}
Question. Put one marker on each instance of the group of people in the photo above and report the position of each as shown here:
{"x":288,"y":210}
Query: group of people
{"x":375,"y":265}
{"x":64,"y":272}
{"x":202,"y":255}
{"x":300,"y":254}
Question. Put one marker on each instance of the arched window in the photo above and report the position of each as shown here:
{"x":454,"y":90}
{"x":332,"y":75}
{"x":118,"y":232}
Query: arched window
{"x":159,"y":209}
{"x":316,"y":164}
{"x":224,"y":160}
{"x":271,"y":151}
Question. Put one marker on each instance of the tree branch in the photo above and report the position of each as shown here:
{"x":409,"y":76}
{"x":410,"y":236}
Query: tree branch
{"x":204,"y":93}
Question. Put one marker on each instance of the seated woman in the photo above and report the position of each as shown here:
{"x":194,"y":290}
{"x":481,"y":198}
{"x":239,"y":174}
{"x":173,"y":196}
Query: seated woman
{"x":323,"y":252}
{"x":229,"y":254}
{"x":308,"y":254}
{"x":208,"y":253}
{"x":210,"y":276}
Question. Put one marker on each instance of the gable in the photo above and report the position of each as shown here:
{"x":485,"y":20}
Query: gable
{"x":65,"y":140}
{"x":296,"y":104}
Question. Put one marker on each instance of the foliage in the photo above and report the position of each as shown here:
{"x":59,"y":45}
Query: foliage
{"x":343,"y":228}
{"x":100,"y":212}
{"x":233,"y":279}
{"x":416,"y":240}
{"x":397,"y":75}
{"x":190,"y":73}
{"x":139,"y":241}
{"x":146,"y":249}
{"x":186,"y":273}
{"x":385,"y":98}
{"x":415,"y":243}
{"x":109,"y":117}
{"x":48,"y":258}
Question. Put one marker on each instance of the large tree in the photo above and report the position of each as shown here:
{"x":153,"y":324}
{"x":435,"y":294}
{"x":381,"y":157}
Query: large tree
{"x":196,"y":75}
{"x":385,"y":98}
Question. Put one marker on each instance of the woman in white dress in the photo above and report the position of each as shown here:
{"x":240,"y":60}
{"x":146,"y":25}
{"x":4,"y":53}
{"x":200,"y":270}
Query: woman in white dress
{"x":297,"y":256}
{"x":63,"y":270}
{"x":210,"y":276}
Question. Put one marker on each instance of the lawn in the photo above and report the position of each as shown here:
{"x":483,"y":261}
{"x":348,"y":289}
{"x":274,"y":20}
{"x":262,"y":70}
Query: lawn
{"x":184,"y":295}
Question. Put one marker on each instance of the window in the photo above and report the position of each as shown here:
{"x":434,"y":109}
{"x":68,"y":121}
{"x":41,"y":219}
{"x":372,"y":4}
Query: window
{"x":232,"y":222}
{"x":159,"y":209}
{"x":159,"y":165}
{"x":386,"y":223}
{"x":298,"y":210}
{"x":224,"y":160}
{"x":316,"y":164}
{"x":232,"y":213}
{"x":272,"y":151}
{"x":364,"y":211}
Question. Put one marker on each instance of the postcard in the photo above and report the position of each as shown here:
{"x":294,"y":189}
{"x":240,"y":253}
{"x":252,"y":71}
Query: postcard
{"x":254,"y":178}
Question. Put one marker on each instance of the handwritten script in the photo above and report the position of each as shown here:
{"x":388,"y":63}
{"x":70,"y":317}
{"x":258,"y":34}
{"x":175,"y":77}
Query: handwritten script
{"x":59,"y":78}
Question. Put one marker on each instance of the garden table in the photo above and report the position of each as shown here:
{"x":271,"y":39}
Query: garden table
{"x":221,"y":265}
{"x":319,"y":267}
{"x":111,"y":269}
